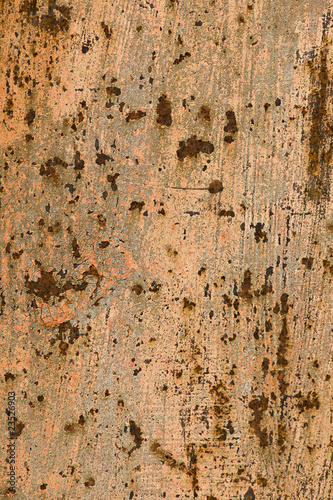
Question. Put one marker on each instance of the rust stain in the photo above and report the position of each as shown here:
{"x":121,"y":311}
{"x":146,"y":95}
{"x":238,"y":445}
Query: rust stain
{"x":192,"y":147}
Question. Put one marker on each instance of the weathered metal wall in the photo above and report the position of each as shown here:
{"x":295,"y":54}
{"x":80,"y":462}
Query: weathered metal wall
{"x":166,"y":249}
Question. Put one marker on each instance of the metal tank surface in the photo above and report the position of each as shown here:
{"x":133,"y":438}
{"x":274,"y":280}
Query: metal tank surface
{"x":166,"y":249}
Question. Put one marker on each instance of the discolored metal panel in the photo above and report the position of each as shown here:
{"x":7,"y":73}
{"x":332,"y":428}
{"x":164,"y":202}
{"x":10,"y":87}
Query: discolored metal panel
{"x":166,"y":250}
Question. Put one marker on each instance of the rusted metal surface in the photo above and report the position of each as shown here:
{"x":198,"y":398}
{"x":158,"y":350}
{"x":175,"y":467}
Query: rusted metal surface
{"x":166,"y":249}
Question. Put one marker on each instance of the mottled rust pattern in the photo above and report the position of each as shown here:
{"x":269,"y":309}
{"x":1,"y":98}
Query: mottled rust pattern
{"x":167,"y":249}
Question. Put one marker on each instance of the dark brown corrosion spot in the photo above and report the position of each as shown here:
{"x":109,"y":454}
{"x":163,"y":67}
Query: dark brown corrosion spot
{"x":259,"y":406}
{"x":259,"y":234}
{"x":19,"y":426}
{"x":226,"y":213}
{"x":188,"y":304}
{"x":9,"y":376}
{"x":137,"y":436}
{"x":136,"y":205}
{"x":56,"y":20}
{"x":90,"y":482}
{"x":309,"y":402}
{"x":246,"y":286}
{"x":192,"y":147}
{"x":284,"y":303}
{"x":231,"y":127}
{"x":321,"y":130}
{"x":51,"y":168}
{"x":107,"y":30}
{"x":102,"y":158}
{"x":81,"y":420}
{"x":135,"y":115}
{"x":283,"y":344}
{"x":137,"y":289}
{"x":112,"y":179}
{"x":78,"y":163}
{"x":307,"y":262}
{"x":8,"y":109}
{"x":46,"y":286}
{"x":70,"y":428}
{"x":282,"y":436}
{"x":113,"y":91}
{"x":63,"y":347}
{"x":155,"y":287}
{"x":249,"y":495}
{"x":76,"y":249}
{"x":104,"y":244}
{"x":204,"y":113}
{"x":181,"y":58}
{"x":30,"y":116}
{"x":163,"y":111}
{"x":215,"y":187}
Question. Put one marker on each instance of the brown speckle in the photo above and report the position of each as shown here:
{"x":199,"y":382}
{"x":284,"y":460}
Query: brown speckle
{"x":76,"y":249}
{"x":113,"y":91}
{"x":204,"y":113}
{"x":107,"y":30}
{"x":188,"y":304}
{"x":259,"y":406}
{"x":137,"y":435}
{"x":283,"y":344}
{"x":192,"y":147}
{"x":259,"y":234}
{"x":63,"y":346}
{"x":246,"y":286}
{"x":215,"y":187}
{"x":51,"y":169}
{"x":19,"y":426}
{"x":249,"y":495}
{"x":231,"y":126}
{"x":226,"y":213}
{"x":136,"y":205}
{"x":102,"y":158}
{"x":78,"y":163}
{"x":104,"y":244}
{"x":90,"y":482}
{"x":163,"y":111}
{"x":112,"y":179}
{"x":30,"y":116}
{"x":135,"y":115}
{"x":137,"y":289}
{"x":307,"y":262}
{"x":46,"y":286}
{"x":320,"y":147}
{"x":181,"y":58}
{"x":309,"y":402}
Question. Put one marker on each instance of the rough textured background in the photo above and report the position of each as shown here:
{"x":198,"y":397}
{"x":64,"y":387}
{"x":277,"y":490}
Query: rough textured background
{"x":166,"y":248}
